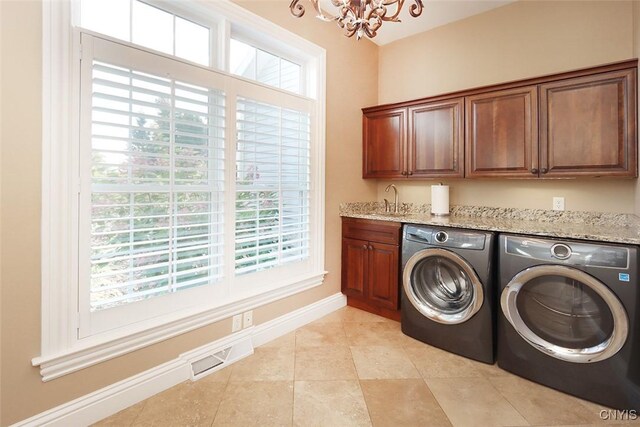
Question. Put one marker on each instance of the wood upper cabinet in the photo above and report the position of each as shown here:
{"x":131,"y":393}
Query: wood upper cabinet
{"x":384,"y":136}
{"x":580,"y":123}
{"x":370,"y":265}
{"x":588,"y":126}
{"x":421,"y":141}
{"x":435,"y":145}
{"x":502,"y":133}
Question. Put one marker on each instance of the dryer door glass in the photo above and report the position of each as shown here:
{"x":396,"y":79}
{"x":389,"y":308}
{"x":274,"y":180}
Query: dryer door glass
{"x":442,"y":286}
{"x":565,"y":313}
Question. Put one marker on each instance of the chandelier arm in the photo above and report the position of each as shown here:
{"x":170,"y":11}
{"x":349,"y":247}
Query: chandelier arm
{"x":321,"y":14}
{"x":349,"y":29}
{"x":296,"y":8}
{"x":372,"y":30}
{"x":394,"y":17}
{"x":370,"y":33}
{"x":377,"y":15}
{"x":372,"y":27}
{"x":346,"y":14}
{"x":416,"y":9}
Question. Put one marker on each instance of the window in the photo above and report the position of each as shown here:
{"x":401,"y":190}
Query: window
{"x":264,"y":67}
{"x":187,"y":190}
{"x":145,"y":25}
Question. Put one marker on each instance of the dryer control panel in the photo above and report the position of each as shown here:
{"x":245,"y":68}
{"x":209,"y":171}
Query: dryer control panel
{"x":574,"y":253}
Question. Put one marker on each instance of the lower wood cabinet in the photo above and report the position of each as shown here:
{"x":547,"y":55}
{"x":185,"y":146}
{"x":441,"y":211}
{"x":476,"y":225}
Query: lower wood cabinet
{"x":370,"y":265}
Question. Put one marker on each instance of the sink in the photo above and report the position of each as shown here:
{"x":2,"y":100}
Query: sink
{"x":391,"y":213}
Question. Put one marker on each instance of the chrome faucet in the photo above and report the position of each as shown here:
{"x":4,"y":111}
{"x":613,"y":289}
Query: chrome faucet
{"x":395,"y":198}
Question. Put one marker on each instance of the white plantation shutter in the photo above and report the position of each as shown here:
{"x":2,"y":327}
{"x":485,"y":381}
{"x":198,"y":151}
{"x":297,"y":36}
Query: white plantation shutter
{"x":164,"y":226}
{"x":272,"y":186}
{"x":157,"y":185}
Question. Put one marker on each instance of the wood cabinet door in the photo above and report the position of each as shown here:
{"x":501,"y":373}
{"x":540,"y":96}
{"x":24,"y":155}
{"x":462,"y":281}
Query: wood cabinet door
{"x":354,"y":267}
{"x":435,"y":147}
{"x":587,"y":126}
{"x":502,"y":133}
{"x":382,"y":286}
{"x":384,"y":144}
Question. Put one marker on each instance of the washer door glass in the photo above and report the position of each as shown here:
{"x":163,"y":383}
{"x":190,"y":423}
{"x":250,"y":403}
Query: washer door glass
{"x":442,"y":286}
{"x":565,"y":313}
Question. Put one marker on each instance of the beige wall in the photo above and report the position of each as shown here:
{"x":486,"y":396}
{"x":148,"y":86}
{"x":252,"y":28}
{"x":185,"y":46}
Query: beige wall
{"x":636,"y":53}
{"x":591,"y":195}
{"x":520,"y":40}
{"x":1,"y":86}
{"x":24,"y":394}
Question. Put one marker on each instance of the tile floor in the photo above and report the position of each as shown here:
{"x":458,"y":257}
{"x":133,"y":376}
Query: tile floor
{"x":352,"y":368}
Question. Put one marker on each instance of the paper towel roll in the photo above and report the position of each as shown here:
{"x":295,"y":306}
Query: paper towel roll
{"x":440,"y":199}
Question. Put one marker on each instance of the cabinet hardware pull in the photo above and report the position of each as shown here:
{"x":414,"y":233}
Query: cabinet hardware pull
{"x":410,"y":172}
{"x":404,"y":173}
{"x":544,"y":170}
{"x":370,"y":247}
{"x":534,"y":170}
{"x":365,"y":247}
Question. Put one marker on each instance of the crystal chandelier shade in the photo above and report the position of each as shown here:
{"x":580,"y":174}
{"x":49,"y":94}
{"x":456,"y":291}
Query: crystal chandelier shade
{"x":360,"y":17}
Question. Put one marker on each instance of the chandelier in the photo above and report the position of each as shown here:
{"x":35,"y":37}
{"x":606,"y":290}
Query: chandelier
{"x":360,"y":17}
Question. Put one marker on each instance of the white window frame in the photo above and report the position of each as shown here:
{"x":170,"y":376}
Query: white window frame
{"x":61,"y":350}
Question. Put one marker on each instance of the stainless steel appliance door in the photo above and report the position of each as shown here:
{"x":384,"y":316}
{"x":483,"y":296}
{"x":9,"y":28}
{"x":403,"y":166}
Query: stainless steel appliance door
{"x":565,"y":313}
{"x":442,"y":286}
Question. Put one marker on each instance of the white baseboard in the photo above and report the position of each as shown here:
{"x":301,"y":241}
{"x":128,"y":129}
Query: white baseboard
{"x":107,"y":401}
{"x":275,"y":328}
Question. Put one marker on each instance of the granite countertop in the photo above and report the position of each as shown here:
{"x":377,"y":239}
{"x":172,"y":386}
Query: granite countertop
{"x":598,"y":226}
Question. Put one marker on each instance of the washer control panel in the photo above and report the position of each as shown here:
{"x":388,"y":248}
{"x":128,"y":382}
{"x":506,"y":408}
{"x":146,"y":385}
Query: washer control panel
{"x":448,"y":238}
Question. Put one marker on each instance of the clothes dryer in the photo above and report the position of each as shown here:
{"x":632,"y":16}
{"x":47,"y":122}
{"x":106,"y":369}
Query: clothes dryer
{"x":569,"y":317}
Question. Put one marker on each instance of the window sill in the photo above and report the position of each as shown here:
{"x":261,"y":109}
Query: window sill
{"x":91,"y":353}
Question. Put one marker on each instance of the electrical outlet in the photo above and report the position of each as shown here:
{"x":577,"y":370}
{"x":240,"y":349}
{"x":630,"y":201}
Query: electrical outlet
{"x":248,"y":318}
{"x":558,"y":203}
{"x":237,"y":323}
